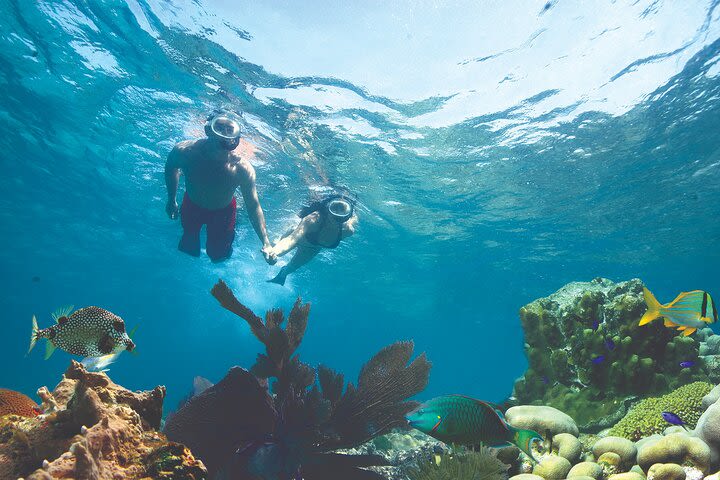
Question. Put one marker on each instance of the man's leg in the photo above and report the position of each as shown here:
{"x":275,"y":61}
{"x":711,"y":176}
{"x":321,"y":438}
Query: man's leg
{"x":221,"y":232}
{"x":191,"y":217}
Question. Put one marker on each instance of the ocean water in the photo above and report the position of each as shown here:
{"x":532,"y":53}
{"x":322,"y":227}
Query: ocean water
{"x":498,"y":150}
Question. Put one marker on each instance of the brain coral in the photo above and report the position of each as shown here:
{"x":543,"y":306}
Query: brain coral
{"x":645,"y":418}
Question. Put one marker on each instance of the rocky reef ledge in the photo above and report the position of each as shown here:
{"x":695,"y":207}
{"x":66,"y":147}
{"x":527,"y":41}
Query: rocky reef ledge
{"x":93,"y":429}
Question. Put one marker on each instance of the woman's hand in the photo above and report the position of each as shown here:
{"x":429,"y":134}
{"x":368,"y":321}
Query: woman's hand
{"x":269,"y":253}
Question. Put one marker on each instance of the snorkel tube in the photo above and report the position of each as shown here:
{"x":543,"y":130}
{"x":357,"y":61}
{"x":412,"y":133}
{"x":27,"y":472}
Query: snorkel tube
{"x":225,"y":128}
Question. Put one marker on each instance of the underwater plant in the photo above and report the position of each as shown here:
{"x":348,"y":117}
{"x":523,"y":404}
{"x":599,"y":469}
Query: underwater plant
{"x":283,"y":419}
{"x":482,"y":464}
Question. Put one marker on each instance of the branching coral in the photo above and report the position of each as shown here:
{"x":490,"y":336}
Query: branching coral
{"x":480,"y":465}
{"x":278,"y":421}
{"x":645,"y":418}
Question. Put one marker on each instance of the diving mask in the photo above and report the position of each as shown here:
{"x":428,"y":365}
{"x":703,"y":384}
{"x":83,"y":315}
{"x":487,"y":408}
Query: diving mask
{"x":225,"y":127}
{"x":340,"y":208}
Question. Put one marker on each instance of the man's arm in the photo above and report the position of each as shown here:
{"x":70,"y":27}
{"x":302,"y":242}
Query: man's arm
{"x":172,"y":178}
{"x":254,"y":210}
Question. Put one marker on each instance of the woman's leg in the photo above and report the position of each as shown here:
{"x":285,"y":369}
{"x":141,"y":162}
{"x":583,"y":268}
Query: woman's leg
{"x":303,"y":254}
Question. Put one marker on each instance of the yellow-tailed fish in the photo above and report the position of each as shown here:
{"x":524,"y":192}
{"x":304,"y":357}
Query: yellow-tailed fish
{"x":688,"y":312}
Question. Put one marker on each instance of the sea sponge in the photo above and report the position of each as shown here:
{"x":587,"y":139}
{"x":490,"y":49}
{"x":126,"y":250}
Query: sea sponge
{"x":676,"y":448}
{"x":568,"y":446}
{"x":586,"y":469}
{"x":666,"y":471}
{"x":552,"y":468}
{"x":621,"y":446}
{"x":542,"y":419}
{"x":645,"y":418}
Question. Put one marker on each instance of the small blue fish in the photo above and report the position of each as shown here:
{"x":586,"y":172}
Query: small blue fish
{"x":673,"y":419}
{"x":596,"y":324}
{"x":687,"y":364}
{"x":599,"y":359}
{"x":609,"y":344}
{"x":545,"y":379}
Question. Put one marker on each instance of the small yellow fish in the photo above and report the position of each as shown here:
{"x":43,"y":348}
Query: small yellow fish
{"x":688,"y":312}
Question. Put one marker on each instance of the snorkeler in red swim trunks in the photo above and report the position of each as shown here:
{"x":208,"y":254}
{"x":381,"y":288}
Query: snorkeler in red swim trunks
{"x":213,"y":171}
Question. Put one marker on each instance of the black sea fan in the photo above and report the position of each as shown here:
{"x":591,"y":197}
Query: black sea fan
{"x":283,"y":419}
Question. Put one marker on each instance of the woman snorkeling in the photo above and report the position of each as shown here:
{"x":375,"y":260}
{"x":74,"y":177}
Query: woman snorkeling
{"x":323,"y":224}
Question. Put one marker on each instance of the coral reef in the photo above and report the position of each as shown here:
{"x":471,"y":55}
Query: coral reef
{"x":708,"y":430}
{"x":284,"y":419}
{"x":547,"y":421}
{"x":586,"y":469}
{"x":404,"y":450}
{"x":587,"y":354}
{"x":676,"y":448}
{"x":93,"y":429}
{"x":480,"y":465}
{"x":16,"y":403}
{"x":666,"y":471}
{"x":552,"y":468}
{"x":645,"y":418}
{"x":624,"y":448}
{"x":567,"y":446}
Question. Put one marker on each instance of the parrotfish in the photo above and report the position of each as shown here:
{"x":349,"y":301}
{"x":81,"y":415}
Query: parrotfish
{"x":88,"y":332}
{"x":16,"y":403}
{"x":673,"y":419}
{"x":467,"y":421}
{"x":688,"y":312}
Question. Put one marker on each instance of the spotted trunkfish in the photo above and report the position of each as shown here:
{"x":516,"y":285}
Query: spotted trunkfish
{"x":87,"y":332}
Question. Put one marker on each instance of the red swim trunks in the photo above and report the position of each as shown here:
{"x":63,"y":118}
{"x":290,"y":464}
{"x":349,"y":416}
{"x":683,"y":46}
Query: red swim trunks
{"x":220,"y":229}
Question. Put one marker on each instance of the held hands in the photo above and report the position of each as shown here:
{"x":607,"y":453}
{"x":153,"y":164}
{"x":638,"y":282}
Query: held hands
{"x":270,"y":256}
{"x":172,"y":210}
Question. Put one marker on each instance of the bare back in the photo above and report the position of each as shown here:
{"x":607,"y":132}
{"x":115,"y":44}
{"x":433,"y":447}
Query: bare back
{"x":211,"y":175}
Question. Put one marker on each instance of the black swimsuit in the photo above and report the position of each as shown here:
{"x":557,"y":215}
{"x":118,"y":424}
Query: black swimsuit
{"x":312,"y":238}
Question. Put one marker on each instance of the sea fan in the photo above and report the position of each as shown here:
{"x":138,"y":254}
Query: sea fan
{"x":283,"y":419}
{"x":479,"y":465}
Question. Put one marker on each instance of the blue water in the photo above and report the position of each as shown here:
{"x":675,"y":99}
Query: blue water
{"x":497,"y":151}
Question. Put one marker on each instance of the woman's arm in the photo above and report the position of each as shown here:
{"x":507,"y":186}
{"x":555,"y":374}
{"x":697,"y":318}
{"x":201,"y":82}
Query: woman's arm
{"x":287,"y":243}
{"x":350,"y":226}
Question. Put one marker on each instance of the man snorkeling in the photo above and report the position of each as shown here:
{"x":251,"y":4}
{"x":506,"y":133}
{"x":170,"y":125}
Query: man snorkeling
{"x":213,"y":171}
{"x":323,"y":224}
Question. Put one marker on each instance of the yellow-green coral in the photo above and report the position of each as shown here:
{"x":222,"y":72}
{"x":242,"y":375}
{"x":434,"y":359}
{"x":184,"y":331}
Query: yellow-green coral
{"x":645,"y":418}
